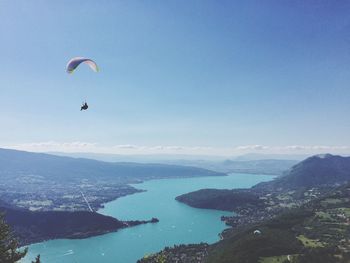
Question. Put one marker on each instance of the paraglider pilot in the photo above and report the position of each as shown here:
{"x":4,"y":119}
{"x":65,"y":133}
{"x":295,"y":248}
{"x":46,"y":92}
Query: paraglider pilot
{"x":84,"y":106}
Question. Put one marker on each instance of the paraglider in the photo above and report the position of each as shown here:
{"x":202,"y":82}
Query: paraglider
{"x":74,"y":63}
{"x":257,"y":232}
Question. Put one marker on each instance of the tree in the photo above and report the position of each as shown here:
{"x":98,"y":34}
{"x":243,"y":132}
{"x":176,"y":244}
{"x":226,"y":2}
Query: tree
{"x":9,"y":250}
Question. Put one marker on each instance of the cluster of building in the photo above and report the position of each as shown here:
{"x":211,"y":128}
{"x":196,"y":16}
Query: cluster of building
{"x":34,"y":193}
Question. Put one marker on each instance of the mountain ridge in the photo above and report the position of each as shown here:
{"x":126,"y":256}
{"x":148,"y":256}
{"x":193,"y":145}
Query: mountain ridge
{"x":317,"y":170}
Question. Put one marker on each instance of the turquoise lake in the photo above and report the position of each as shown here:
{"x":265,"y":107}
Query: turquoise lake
{"x":179,"y":223}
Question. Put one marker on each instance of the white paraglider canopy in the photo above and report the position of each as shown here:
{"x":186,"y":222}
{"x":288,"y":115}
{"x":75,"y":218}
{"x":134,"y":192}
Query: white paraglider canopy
{"x":75,"y":62}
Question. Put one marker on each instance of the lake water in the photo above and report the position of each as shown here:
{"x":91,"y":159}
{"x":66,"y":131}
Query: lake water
{"x":179,"y":223}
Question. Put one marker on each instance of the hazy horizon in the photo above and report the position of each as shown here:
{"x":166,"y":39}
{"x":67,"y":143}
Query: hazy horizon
{"x":177,"y":157}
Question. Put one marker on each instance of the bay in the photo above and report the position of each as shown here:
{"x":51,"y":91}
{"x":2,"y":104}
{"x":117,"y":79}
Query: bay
{"x":179,"y":223}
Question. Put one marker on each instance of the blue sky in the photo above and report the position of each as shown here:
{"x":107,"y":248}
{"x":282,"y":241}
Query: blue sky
{"x":207,"y":77}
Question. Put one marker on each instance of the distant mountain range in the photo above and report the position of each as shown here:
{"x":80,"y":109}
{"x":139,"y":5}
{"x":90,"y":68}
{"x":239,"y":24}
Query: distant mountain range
{"x":162,"y":158}
{"x":266,"y":156}
{"x":250,"y":163}
{"x":271,"y":167}
{"x":67,"y":168}
{"x":138,"y":158}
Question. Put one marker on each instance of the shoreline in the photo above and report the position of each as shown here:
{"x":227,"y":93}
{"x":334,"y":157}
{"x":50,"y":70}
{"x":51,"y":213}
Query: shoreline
{"x":126,"y":224}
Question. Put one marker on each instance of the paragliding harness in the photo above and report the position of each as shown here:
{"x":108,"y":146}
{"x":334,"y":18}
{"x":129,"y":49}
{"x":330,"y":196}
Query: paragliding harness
{"x":84,"y":106}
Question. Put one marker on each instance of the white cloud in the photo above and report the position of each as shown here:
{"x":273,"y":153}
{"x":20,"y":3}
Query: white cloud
{"x":78,"y":146}
{"x":251,"y":148}
{"x":54,"y":146}
{"x":176,"y":148}
{"x":126,"y":146}
{"x":316,"y":148}
{"x":297,"y":149}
